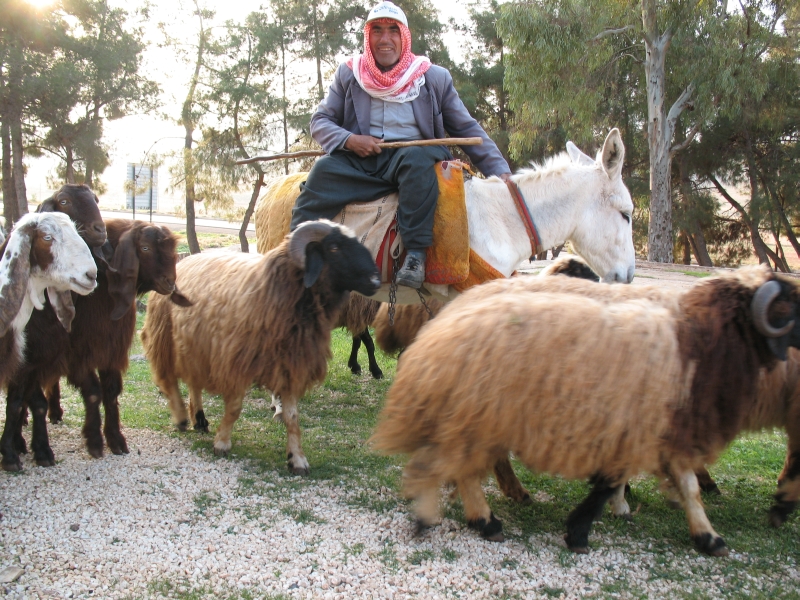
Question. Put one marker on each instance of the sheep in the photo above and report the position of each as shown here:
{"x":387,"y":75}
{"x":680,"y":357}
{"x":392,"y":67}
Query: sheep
{"x":143,"y":259}
{"x":272,"y":218}
{"x":42,"y":252}
{"x":409,"y":318}
{"x":263,"y":319}
{"x":639,"y":385}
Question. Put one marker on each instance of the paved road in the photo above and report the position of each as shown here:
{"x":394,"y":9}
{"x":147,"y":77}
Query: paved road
{"x":177,"y":223}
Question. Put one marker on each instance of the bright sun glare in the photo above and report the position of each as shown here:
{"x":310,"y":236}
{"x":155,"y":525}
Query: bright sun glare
{"x":40,"y":3}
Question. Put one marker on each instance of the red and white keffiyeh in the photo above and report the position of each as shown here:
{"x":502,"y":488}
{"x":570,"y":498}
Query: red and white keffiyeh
{"x":403,"y":82}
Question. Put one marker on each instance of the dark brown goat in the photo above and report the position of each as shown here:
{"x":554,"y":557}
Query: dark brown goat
{"x":143,"y":260}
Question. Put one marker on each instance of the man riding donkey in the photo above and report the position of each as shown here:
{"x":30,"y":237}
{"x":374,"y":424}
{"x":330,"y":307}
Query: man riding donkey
{"x":389,"y":94}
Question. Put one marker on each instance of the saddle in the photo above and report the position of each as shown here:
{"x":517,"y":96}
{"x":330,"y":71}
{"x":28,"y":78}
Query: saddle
{"x":449,"y":260}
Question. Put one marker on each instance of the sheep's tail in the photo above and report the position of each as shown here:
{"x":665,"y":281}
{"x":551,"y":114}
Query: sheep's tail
{"x":157,"y":338}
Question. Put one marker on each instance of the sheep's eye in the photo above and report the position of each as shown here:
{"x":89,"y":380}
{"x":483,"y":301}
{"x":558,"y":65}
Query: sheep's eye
{"x":334,"y":248}
{"x":626,"y":216}
{"x":48,"y":238}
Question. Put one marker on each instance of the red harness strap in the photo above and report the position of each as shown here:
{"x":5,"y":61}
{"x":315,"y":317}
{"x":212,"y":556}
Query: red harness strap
{"x":525,"y":215}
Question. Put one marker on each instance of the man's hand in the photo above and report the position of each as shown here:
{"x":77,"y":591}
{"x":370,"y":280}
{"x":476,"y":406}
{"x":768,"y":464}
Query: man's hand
{"x":363,"y":145}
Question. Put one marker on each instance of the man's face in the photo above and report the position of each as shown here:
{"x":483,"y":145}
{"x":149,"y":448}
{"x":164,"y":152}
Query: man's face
{"x":386,"y":44}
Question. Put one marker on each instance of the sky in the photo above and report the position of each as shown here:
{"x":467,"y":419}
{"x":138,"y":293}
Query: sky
{"x":133,"y":137}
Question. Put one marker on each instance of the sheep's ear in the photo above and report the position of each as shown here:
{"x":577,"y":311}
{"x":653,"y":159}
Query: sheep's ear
{"x":178,"y":298}
{"x":62,"y":304}
{"x":15,"y":269}
{"x":613,"y":154}
{"x":122,"y":277}
{"x":314,"y":263}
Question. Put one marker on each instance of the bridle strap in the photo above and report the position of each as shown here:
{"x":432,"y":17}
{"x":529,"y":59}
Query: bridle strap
{"x":527,"y":221}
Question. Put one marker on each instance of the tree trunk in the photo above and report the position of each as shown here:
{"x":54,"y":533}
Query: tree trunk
{"x":659,"y":237}
{"x":10,"y":206}
{"x":687,"y":247}
{"x":694,"y":231}
{"x":248,"y":214}
{"x":69,"y":176}
{"x":18,"y":169}
{"x":188,"y":158}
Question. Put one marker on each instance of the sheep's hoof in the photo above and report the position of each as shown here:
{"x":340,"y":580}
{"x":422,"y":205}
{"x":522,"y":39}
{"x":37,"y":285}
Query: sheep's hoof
{"x":200,"y":421}
{"x":183,"y":425}
{"x":491,"y":531}
{"x":711,"y":489}
{"x":713,"y":546}
{"x":625,"y":517}
{"x":579,"y":549}
{"x":12,"y":466}
{"x":221,"y":452}
{"x":579,"y":544}
{"x":355,"y":370}
{"x":420,"y":528}
{"x":298,"y":465}
{"x":376,"y":374}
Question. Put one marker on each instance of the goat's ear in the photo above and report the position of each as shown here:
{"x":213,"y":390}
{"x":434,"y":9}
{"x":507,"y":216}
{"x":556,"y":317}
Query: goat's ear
{"x":48,"y":205}
{"x":178,"y":298}
{"x":314,"y":263}
{"x":62,"y":304}
{"x":15,"y":269}
{"x":122,"y":277}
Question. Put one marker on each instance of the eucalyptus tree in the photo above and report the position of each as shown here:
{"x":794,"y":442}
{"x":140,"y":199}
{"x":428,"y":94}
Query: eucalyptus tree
{"x":683,"y":64}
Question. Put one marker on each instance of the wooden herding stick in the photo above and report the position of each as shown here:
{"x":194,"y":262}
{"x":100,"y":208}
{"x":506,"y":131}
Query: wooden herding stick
{"x":471,"y":141}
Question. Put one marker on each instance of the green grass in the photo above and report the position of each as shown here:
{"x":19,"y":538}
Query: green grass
{"x":691,"y":273}
{"x":338,"y":418}
{"x":208,"y":241}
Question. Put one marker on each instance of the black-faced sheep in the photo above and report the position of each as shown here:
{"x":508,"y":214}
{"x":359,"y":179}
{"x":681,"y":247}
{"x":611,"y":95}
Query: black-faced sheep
{"x":638,"y":386}
{"x":272,"y":218}
{"x":143,"y":259}
{"x":42,"y":252}
{"x":256,"y":319}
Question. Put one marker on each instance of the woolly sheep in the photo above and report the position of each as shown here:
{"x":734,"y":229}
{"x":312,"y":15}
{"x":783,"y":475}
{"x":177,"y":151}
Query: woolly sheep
{"x":42,"y":252}
{"x":256,"y":319}
{"x":636,"y":386}
{"x":272,"y":219}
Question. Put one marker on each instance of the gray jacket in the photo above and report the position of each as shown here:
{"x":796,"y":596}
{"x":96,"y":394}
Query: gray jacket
{"x":438,"y":111}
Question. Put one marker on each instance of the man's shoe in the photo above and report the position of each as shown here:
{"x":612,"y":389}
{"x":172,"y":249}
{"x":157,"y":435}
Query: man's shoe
{"x":412,"y":274}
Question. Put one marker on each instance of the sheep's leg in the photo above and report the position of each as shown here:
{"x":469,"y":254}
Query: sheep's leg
{"x":295,"y":458}
{"x":705,"y":538}
{"x":111,"y":382}
{"x":508,"y":482}
{"x":352,"y":362}
{"x":707,"y":483}
{"x":54,"y":410}
{"x":92,"y":393}
{"x":40,"y":444}
{"x":477,"y":512}
{"x":14,"y":406}
{"x":196,"y":413}
{"x":619,"y":506}
{"x":579,"y":521}
{"x":177,"y":407}
{"x":277,"y":408}
{"x":233,"y":408}
{"x":788,"y":482}
{"x":421,"y":484}
{"x":374,"y":369}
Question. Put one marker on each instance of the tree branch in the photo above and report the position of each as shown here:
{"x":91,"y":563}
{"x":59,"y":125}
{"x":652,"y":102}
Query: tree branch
{"x":685,"y":143}
{"x":608,"y":32}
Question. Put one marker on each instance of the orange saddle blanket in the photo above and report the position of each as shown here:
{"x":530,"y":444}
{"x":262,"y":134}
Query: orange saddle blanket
{"x":448,"y":259}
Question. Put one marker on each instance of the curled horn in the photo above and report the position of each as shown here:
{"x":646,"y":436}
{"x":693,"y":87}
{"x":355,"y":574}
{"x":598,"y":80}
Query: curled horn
{"x":302,"y":237}
{"x":762,"y":300}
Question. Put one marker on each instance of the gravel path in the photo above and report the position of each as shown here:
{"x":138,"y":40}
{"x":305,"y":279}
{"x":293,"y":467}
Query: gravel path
{"x":167,"y":522}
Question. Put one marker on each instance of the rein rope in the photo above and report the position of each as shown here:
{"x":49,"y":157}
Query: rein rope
{"x":527,"y":221}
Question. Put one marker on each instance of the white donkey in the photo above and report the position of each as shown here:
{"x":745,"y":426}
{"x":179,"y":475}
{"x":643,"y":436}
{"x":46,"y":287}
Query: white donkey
{"x":571,"y":198}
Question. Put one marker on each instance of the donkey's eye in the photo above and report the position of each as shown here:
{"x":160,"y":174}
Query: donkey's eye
{"x":626,"y":216}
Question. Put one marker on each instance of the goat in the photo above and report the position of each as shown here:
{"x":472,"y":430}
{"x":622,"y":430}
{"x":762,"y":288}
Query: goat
{"x":637,"y":385}
{"x":42,"y":252}
{"x":256,"y":319}
{"x":143,"y":260}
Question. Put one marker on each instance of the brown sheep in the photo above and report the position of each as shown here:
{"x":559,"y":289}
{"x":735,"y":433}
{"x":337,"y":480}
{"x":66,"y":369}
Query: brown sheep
{"x":272,"y":219}
{"x":635,"y":388}
{"x":256,"y":319}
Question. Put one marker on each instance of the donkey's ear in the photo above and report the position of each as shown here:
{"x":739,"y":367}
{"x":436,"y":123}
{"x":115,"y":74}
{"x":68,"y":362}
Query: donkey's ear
{"x":578,"y":157}
{"x":613,"y":154}
{"x":122,"y":277}
{"x":15,"y":269}
{"x":63,"y":306}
